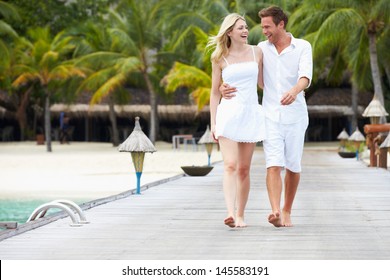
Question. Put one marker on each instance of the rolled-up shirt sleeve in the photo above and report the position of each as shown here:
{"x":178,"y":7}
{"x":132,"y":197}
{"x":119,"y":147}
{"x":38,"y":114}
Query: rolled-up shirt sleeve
{"x":305,"y":68}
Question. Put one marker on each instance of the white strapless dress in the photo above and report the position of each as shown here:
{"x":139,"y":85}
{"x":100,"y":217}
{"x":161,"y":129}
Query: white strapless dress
{"x":241,"y":118}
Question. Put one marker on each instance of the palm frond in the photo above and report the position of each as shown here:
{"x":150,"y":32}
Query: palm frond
{"x":255,"y":35}
{"x":182,"y":75}
{"x":335,"y":75}
{"x":64,"y":71}
{"x":122,"y":42}
{"x":49,"y":60}
{"x":8,"y":11}
{"x":128,"y":64}
{"x":6,"y":29}
{"x":381,"y":11}
{"x":20,"y":69}
{"x":62,"y":45}
{"x":181,"y":39}
{"x":99,"y":60}
{"x":39,"y":34}
{"x":39,"y":49}
{"x":188,"y":19}
{"x":201,"y":96}
{"x":4,"y":62}
{"x":342,"y":20}
{"x":94,"y":81}
{"x":25,"y":79}
{"x":108,"y":87}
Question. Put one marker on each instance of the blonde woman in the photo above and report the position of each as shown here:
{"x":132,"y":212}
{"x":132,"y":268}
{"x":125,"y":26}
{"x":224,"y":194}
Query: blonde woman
{"x":236,"y":123}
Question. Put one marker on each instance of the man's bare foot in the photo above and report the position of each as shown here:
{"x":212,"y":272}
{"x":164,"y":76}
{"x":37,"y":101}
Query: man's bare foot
{"x":229,"y":221}
{"x":274,"y":218}
{"x":286,"y":219}
{"x":240,"y":222}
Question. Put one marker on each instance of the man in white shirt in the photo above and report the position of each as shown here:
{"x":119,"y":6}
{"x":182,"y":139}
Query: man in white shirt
{"x":287,"y":67}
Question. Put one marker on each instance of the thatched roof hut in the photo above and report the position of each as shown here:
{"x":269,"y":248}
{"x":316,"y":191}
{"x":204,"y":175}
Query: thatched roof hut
{"x":335,"y":102}
{"x":169,"y":113}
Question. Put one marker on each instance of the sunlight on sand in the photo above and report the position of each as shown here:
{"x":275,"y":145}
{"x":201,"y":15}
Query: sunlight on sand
{"x":85,"y":170}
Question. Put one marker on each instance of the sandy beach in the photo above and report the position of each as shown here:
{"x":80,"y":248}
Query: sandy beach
{"x":86,"y":170}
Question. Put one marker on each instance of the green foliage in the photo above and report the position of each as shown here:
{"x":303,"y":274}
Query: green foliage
{"x":43,"y":59}
{"x":339,"y":32}
{"x":57,"y":14}
{"x":351,"y":147}
{"x":124,"y":39}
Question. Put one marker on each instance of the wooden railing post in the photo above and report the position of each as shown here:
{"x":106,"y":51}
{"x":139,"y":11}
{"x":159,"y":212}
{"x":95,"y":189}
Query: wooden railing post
{"x":372,"y":131}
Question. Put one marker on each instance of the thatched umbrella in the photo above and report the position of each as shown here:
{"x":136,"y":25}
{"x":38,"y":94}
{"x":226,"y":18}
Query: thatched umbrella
{"x":137,"y":144}
{"x":208,"y":140}
{"x":343,"y":137}
{"x":357,"y":137}
{"x":375,"y":111}
{"x":386,"y":143}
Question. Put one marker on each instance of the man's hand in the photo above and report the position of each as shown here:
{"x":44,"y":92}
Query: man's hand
{"x":288,"y":98}
{"x":227,"y":91}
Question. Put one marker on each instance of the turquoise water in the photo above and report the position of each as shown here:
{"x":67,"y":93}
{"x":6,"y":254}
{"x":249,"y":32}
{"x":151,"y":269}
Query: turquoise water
{"x":20,"y":210}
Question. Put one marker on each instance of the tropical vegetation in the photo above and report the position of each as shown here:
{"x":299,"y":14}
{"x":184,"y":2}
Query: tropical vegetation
{"x":57,"y":50}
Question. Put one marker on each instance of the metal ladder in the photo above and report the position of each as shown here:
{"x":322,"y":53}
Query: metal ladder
{"x":72,"y":209}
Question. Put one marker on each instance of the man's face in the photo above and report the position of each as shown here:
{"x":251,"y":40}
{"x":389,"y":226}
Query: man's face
{"x":270,"y":29}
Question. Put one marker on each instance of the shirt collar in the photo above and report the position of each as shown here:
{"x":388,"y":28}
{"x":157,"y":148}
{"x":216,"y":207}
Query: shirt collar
{"x":293,"y":40}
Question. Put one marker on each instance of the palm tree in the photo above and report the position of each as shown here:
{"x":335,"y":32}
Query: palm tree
{"x":110,"y":66}
{"x":194,"y":73}
{"x":348,"y":28}
{"x":8,"y":36}
{"x":140,"y":25}
{"x":18,"y":99}
{"x":197,"y":81}
{"x":191,"y":69}
{"x":44,"y":61}
{"x":383,"y":50}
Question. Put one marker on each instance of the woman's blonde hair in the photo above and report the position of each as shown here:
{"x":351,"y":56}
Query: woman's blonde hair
{"x":222,"y":40}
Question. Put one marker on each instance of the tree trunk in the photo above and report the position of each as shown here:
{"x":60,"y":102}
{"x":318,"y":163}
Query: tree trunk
{"x":112,"y":116}
{"x":387,"y":70}
{"x":376,"y":77}
{"x":153,"y":126}
{"x":355,"y":97}
{"x":21,"y":114}
{"x":47,"y":122}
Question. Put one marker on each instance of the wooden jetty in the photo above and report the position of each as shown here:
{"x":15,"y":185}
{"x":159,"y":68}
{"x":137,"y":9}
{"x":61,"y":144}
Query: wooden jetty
{"x":341,"y":212}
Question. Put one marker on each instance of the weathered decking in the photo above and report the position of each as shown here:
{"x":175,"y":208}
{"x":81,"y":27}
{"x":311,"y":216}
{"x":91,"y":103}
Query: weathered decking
{"x":342,"y":211}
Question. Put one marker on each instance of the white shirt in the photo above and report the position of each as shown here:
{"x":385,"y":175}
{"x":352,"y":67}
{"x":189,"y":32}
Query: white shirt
{"x":281,"y":72}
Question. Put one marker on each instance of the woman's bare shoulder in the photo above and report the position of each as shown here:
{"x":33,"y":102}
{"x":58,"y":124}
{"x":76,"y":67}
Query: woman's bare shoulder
{"x":257,"y":49}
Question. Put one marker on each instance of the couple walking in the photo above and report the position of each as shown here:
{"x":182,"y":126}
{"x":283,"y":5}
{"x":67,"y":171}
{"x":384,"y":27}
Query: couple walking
{"x":282,"y":67}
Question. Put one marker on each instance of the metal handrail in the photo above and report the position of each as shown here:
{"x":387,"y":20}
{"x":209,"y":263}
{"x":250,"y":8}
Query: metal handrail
{"x":68,"y":206}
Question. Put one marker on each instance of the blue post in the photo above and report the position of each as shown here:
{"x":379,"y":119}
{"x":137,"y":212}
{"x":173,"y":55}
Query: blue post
{"x":138,"y":182}
{"x":209,"y":159}
{"x":357,"y":154}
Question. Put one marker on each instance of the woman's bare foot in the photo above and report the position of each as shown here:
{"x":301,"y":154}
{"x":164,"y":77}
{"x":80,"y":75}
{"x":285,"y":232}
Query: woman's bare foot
{"x":240,"y":222}
{"x":286,"y":219}
{"x":274,"y":218}
{"x":229,"y":221}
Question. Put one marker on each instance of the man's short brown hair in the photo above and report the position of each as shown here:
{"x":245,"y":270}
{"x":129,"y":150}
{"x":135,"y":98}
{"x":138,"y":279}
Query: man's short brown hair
{"x":276,"y":13}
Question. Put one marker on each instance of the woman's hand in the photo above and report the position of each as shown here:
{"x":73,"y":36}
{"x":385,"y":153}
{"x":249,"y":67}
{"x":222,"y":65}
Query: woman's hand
{"x":212,"y":130}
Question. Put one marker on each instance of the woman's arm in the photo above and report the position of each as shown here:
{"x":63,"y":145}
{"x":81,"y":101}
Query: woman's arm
{"x":259,"y":56}
{"x":215,"y":95}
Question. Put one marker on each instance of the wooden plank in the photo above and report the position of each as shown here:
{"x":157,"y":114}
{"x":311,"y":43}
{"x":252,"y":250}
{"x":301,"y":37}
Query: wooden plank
{"x":9,"y":225}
